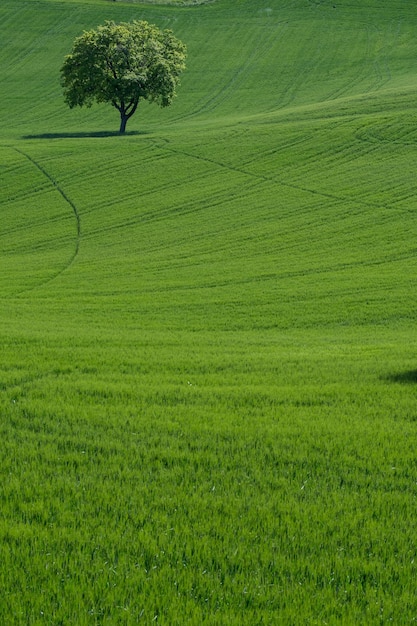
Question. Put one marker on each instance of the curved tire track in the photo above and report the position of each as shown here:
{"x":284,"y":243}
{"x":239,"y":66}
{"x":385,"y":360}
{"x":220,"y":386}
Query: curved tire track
{"x":163,"y":144}
{"x":76,"y":215}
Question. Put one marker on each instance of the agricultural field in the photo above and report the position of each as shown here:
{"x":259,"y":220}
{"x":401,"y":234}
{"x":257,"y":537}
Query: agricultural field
{"x":208,"y":372}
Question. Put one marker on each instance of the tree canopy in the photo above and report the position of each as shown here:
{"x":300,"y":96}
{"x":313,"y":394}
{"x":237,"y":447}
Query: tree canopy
{"x":122,"y":64}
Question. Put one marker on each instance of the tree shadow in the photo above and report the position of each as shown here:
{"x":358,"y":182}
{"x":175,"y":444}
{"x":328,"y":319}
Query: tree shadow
{"x":87,"y":134}
{"x":405,"y":378}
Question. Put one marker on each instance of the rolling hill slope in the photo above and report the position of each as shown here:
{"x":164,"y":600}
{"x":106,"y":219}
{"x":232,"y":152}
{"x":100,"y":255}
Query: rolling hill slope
{"x":207,"y":326}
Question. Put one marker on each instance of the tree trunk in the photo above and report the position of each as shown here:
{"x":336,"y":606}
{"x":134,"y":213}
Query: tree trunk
{"x":126,"y":111}
{"x":123,"y":122}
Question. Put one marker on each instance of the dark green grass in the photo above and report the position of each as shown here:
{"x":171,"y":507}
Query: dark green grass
{"x":207,"y":327}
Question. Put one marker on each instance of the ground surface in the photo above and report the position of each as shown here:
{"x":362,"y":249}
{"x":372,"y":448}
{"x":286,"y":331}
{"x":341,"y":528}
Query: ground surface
{"x":208,"y":350}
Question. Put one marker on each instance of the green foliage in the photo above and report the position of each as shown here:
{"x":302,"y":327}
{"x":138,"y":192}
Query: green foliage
{"x":122,"y":64}
{"x":207,"y":329}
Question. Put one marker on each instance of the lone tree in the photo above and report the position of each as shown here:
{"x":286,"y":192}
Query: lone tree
{"x":123,"y":64}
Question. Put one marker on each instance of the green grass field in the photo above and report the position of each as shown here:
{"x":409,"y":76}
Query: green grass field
{"x":208,"y":373}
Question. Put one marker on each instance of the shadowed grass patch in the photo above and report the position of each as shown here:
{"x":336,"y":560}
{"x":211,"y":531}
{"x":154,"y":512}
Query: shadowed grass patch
{"x":85,"y":134}
{"x":406,"y":378}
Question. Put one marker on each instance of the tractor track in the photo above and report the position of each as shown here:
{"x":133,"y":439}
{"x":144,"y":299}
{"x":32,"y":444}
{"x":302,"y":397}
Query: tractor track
{"x":74,"y":209}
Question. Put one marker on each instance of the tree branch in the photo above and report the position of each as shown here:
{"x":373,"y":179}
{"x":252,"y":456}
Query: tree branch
{"x":131,"y":107}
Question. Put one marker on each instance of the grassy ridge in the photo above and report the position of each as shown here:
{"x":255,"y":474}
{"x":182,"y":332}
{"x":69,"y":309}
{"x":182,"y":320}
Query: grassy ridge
{"x":253,"y":60}
{"x":207,"y":326}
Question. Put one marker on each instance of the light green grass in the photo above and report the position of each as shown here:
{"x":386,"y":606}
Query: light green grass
{"x":208,"y":372}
